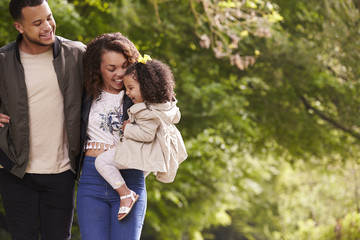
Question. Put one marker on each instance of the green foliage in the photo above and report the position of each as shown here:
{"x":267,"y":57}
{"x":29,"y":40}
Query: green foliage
{"x":194,"y":190}
{"x":269,"y":101}
{"x":348,"y":227}
{"x":7,"y":30}
{"x":69,"y":22}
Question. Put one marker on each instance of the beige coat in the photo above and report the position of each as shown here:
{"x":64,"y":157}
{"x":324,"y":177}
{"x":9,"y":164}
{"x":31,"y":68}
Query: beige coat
{"x":151,"y":141}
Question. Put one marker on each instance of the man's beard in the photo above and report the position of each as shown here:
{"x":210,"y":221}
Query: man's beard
{"x":36,"y":42}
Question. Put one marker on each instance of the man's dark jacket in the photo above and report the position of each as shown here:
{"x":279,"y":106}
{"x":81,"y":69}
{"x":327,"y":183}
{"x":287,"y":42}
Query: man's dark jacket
{"x":14,"y":137}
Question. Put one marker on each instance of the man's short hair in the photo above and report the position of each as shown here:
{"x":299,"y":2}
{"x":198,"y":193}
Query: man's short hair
{"x":16,"y":6}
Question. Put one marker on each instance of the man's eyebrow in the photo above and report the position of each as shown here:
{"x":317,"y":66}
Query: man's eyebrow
{"x":39,"y":20}
{"x":36,"y":21}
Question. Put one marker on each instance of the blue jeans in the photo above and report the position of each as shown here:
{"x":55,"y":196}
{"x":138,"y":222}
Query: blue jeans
{"x":98,"y":205}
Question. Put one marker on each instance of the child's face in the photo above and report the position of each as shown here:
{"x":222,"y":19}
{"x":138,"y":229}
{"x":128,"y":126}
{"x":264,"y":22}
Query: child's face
{"x":133,"y":89}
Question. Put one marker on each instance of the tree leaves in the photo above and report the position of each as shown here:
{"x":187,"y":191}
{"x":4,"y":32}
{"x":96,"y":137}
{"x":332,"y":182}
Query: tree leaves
{"x":269,"y":95}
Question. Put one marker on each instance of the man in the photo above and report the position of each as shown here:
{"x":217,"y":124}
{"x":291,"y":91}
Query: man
{"x":40,"y":104}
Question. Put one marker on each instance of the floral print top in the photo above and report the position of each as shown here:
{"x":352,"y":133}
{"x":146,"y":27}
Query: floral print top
{"x":105,"y":121}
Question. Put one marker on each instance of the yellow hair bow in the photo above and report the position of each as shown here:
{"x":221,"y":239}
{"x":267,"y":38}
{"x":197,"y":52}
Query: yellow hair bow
{"x":144,"y":59}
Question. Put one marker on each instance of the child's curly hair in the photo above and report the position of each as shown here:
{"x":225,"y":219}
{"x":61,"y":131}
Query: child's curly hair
{"x":156,"y":81}
{"x":92,"y":58}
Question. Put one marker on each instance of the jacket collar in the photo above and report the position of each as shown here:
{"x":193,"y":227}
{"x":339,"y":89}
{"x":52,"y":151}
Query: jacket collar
{"x":154,"y":106}
{"x":56,"y":46}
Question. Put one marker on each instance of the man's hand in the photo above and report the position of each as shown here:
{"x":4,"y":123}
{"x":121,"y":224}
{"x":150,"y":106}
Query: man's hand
{"x":4,"y":119}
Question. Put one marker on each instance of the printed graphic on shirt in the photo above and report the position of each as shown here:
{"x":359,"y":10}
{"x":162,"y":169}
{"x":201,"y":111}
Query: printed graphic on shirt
{"x":112,"y":121}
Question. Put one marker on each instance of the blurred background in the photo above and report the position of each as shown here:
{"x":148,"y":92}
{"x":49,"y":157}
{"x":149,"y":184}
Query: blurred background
{"x":269,"y":95}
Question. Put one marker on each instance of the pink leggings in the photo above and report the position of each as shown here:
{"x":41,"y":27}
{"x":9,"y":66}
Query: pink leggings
{"x":109,"y":169}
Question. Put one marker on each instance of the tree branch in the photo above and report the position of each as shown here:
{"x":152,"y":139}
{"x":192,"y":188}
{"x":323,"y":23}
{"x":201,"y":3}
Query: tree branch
{"x":328,"y":119}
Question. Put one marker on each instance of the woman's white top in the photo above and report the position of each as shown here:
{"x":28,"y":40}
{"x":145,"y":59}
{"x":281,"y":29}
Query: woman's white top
{"x":105,"y":120}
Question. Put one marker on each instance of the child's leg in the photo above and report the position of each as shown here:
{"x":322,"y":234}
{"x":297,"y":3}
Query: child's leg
{"x":109,"y":170}
{"x":104,"y":164}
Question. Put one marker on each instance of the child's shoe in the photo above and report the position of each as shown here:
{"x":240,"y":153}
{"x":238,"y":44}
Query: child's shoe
{"x":124,"y":211}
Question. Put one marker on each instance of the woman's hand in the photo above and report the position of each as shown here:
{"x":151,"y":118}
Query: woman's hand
{"x":4,"y":119}
{"x":124,"y":124}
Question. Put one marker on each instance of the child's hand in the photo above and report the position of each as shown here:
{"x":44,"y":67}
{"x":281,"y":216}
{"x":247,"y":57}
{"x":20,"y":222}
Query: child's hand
{"x":124,"y":124}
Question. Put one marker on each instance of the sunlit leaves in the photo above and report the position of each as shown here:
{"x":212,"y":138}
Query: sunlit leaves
{"x":222,"y":25}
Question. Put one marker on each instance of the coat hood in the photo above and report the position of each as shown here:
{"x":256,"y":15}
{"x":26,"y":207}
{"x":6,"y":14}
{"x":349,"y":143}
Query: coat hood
{"x":168,"y":111}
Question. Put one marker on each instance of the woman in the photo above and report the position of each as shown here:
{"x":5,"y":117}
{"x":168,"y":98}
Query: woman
{"x":104,"y":111}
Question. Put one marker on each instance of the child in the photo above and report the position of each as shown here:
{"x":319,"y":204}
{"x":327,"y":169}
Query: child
{"x":150,"y":141}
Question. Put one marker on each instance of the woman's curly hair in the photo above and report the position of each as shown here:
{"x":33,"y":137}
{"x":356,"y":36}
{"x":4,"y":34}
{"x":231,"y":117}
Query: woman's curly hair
{"x":156,"y":81}
{"x":92,"y":58}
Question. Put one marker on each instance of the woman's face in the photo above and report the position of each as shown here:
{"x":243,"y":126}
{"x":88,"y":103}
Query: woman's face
{"x":113,"y":66}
